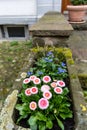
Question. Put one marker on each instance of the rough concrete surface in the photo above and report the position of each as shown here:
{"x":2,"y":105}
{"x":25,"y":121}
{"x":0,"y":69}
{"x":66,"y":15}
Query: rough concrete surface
{"x":78,"y":44}
{"x":51,"y":24}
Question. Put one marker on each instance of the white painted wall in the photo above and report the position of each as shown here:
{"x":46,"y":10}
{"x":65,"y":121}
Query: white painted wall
{"x":28,"y":7}
{"x":17,"y":7}
{"x":48,"y":5}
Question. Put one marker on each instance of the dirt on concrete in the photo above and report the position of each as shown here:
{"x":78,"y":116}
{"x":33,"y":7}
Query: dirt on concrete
{"x":12,"y":57}
{"x":78,"y":45}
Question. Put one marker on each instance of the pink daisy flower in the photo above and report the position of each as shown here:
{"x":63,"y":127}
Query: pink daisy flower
{"x":58,"y":90}
{"x":45,"y":88}
{"x":27,"y":92}
{"x":33,"y":105}
{"x":43,"y":103}
{"x":61,"y":83}
{"x":53,"y":84}
{"x":26,"y":81}
{"x":34,"y":90}
{"x":37,"y":81}
{"x":46,"y":79}
{"x":47,"y":94}
{"x":32,"y":77}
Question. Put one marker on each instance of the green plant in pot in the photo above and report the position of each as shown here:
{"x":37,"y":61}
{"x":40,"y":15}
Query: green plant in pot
{"x":77,"y":10}
{"x":79,"y":2}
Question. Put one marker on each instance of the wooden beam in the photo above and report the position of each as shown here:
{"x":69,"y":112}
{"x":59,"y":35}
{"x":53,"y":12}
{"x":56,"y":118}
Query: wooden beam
{"x":64,"y":5}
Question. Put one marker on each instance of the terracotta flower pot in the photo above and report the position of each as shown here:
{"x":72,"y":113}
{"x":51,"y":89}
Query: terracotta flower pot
{"x":76,"y":13}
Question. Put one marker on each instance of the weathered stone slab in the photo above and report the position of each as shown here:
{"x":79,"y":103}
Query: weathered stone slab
{"x":6,"y":120}
{"x":51,"y":24}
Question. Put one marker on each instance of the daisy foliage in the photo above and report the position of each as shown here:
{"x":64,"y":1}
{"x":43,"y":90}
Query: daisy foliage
{"x":44,"y":97}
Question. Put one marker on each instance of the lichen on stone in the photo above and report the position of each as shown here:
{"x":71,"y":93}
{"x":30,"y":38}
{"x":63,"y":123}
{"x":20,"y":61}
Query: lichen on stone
{"x":6,"y":122}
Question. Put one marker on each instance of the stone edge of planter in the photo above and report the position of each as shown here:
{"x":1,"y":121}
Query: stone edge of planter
{"x":79,"y":103}
{"x":80,"y":111}
{"x":7,"y":112}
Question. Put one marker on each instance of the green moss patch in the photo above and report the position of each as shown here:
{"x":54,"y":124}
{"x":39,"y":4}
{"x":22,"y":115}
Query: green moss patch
{"x":83,"y":80}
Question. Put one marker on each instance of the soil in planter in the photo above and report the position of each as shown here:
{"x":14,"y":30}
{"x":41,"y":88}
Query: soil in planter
{"x":68,"y":123}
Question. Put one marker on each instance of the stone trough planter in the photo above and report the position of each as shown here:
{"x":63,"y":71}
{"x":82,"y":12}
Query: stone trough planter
{"x":79,"y":104}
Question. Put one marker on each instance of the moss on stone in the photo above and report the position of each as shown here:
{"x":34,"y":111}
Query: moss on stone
{"x":83,"y":80}
{"x":66,"y":51}
{"x":73,"y":76}
{"x":70,"y":61}
{"x":82,"y":76}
